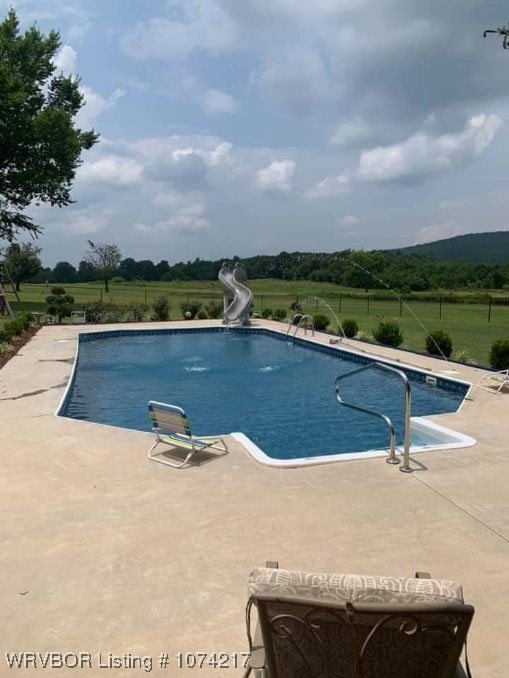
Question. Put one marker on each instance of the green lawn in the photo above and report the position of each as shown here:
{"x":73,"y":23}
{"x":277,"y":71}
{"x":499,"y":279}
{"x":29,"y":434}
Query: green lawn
{"x":466,"y":323}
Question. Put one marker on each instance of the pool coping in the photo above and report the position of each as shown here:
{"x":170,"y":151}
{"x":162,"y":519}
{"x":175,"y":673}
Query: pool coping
{"x":450,"y":438}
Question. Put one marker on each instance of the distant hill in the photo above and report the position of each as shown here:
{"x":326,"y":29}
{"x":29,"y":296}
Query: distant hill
{"x":486,"y":248}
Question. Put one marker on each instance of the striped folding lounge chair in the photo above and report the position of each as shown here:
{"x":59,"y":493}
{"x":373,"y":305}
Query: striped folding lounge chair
{"x":171,"y":426}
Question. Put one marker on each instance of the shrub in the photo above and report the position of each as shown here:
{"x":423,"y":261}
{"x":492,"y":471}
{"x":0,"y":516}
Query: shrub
{"x":389,"y":333}
{"x":463,"y":356}
{"x":8,"y":333}
{"x":213,"y":309}
{"x":279,"y":314}
{"x":161,"y":307}
{"x":499,"y":354}
{"x":350,"y":327}
{"x":100,"y":312}
{"x":296,"y":307}
{"x":439,"y":343}
{"x":321,"y":321}
{"x":94,"y":311}
{"x":201,"y":315}
{"x":362,"y":336}
{"x":190,"y":309}
{"x":135,"y":312}
{"x":4,"y":348}
{"x":114,"y":314}
{"x":266,"y":312}
{"x":59,"y":303}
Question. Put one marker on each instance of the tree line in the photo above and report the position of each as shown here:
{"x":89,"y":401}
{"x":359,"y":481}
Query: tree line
{"x":358,"y":269}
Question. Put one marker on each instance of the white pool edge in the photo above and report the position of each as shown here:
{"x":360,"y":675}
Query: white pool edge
{"x":450,"y":440}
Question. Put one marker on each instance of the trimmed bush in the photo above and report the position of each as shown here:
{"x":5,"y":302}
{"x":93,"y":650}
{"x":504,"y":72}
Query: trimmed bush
{"x":279,"y":314}
{"x":190,"y":309}
{"x":296,"y":307}
{"x":161,"y":307}
{"x":266,"y":313}
{"x":499,"y":354}
{"x":201,"y":315}
{"x":321,"y":321}
{"x":388,"y":333}
{"x":60,"y":303}
{"x":439,"y":343}
{"x":350,"y":327}
{"x":213,"y":309}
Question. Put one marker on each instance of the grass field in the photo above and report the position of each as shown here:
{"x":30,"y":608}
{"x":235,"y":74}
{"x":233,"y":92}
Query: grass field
{"x":466,"y":323}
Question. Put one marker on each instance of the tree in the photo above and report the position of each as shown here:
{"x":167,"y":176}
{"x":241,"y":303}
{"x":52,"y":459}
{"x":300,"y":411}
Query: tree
{"x":64,"y":272}
{"x":40,"y":148}
{"x":59,"y":303}
{"x":22,"y":262}
{"x":105,"y":258}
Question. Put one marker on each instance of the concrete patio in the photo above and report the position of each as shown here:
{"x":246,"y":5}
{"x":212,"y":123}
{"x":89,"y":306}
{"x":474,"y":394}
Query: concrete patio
{"x":104,"y":551}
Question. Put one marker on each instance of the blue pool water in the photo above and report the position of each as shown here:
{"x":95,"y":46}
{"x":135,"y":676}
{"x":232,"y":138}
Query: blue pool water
{"x":282,"y":397}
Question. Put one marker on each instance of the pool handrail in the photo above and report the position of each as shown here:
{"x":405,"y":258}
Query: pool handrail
{"x":391,"y":459}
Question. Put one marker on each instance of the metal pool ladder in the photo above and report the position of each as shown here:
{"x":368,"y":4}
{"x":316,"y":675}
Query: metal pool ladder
{"x":391,"y":459}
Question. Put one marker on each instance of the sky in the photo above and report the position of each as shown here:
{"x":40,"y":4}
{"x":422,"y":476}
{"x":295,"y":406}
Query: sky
{"x":243,"y":127}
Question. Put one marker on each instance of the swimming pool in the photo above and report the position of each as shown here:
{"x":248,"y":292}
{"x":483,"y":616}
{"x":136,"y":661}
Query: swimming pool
{"x":253,"y":381}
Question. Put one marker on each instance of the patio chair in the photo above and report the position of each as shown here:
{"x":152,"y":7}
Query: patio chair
{"x":500,"y":381}
{"x":171,"y":426}
{"x":355,"y":626}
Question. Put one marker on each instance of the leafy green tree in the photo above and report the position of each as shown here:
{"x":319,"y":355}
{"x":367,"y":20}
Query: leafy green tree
{"x":105,"y":258}
{"x":40,"y":147}
{"x":22,"y":261}
{"x":64,"y":272}
{"x":59,"y":303}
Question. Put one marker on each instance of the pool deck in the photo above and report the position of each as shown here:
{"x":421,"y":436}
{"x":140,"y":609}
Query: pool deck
{"x":104,"y":551}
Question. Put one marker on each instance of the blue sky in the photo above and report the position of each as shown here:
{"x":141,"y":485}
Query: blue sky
{"x":254,"y":126}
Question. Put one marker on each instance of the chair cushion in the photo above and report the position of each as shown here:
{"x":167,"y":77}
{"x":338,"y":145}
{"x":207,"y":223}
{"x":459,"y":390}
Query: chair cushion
{"x":341,"y":588}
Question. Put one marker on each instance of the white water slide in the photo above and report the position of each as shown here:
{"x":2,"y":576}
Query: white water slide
{"x":237,"y":298}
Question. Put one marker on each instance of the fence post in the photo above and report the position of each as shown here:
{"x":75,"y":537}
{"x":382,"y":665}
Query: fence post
{"x":440,"y":309}
{"x":145,"y":297}
{"x":367,"y":306}
{"x":339,"y":303}
{"x":101,"y":291}
{"x":489,"y":310}
{"x":400,"y":308}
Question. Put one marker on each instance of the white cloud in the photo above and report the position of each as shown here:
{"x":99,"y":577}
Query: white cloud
{"x":422,"y":155}
{"x":216,"y":101}
{"x":330,"y":187}
{"x":112,"y":169}
{"x":296,"y":79}
{"x":350,"y":220}
{"x":65,"y":60}
{"x":86,"y":224}
{"x":438,"y":231}
{"x":276,"y":177}
{"x":195,"y":25}
{"x":188,"y":220}
{"x":95,"y":105}
{"x":350,"y":133}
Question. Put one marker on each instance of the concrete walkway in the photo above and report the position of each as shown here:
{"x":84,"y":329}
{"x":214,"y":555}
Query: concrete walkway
{"x":104,"y":551}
